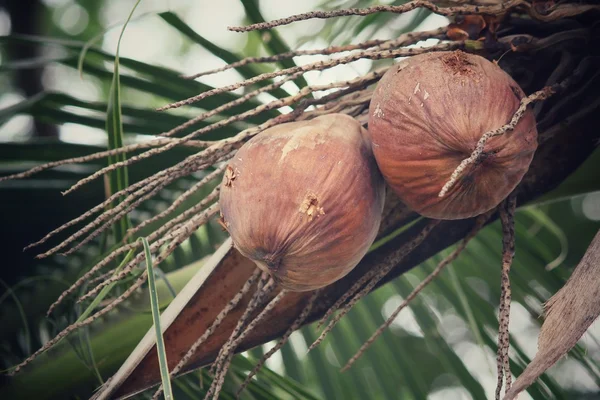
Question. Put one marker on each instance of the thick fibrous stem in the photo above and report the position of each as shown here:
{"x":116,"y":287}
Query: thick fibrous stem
{"x":403,"y":40}
{"x":381,"y":271}
{"x":230,"y":306}
{"x":284,"y":339}
{"x":447,"y":11}
{"x":481,"y":220}
{"x":476,"y":155}
{"x":507,"y":218}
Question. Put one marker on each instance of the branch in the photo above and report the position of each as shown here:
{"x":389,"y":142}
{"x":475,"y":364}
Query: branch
{"x":495,"y":9}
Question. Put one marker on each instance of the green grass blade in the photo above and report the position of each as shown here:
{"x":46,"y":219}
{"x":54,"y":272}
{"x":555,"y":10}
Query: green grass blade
{"x":160,"y":344}
{"x":94,"y":40}
{"x":114,"y":128}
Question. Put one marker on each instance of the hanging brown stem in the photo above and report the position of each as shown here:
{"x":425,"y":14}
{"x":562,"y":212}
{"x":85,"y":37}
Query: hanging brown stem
{"x":100,"y":278}
{"x":255,"y":301}
{"x":507,"y":218}
{"x":114,"y":214}
{"x":182,"y":198}
{"x":111,"y":257}
{"x":87,"y":214}
{"x":344,"y":105}
{"x":167,"y":175}
{"x":287,"y":55}
{"x":116,"y":253}
{"x":347,"y":294}
{"x":107,"y":219}
{"x":233,"y":103}
{"x":265,"y":284}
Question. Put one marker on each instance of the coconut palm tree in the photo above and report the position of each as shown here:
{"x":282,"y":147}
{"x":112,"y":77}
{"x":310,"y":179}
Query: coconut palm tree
{"x":86,"y":78}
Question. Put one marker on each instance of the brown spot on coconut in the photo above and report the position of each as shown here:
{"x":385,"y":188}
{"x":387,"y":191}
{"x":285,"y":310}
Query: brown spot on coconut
{"x":422,"y":136}
{"x":229,"y":176}
{"x":307,"y":200}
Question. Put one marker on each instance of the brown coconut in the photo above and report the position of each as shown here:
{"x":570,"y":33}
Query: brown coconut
{"x":304,"y":199}
{"x":427,"y":115}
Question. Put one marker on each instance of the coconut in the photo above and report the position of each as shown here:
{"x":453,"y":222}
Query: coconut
{"x":428,"y":113}
{"x":304,"y":199}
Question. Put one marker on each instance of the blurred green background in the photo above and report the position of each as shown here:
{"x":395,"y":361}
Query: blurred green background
{"x":442,"y":347}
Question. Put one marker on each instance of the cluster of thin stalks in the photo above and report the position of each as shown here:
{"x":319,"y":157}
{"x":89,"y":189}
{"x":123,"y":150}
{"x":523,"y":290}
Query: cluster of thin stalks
{"x":351,"y":97}
{"x":507,"y":218}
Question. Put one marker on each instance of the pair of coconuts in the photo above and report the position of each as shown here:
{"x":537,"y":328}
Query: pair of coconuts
{"x":304,"y":199}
